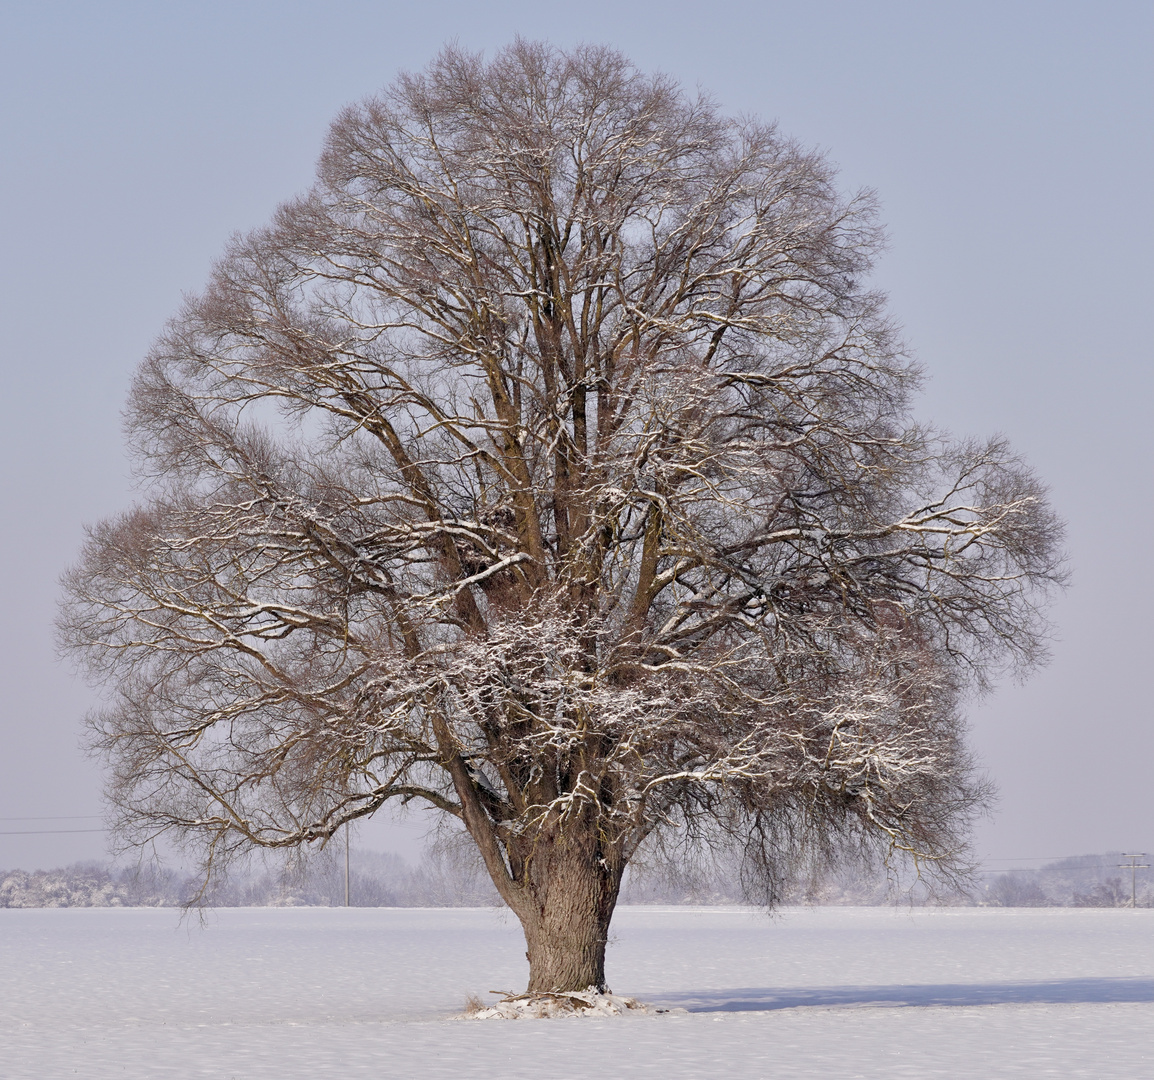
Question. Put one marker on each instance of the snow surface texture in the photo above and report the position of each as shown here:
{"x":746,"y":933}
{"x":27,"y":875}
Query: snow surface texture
{"x":282,"y":994}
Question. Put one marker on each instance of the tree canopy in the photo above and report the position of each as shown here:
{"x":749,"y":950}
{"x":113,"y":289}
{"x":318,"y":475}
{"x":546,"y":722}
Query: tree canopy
{"x":551,"y":463}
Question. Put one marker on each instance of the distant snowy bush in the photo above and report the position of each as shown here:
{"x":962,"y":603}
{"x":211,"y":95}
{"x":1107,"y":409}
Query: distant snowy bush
{"x":94,"y":885}
{"x":77,"y":886}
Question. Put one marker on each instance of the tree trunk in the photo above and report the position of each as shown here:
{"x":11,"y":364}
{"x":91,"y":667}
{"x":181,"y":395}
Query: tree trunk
{"x":570,"y":896}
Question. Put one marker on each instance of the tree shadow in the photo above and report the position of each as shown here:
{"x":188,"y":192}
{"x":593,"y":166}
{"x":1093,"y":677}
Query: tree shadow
{"x":1049,"y":992}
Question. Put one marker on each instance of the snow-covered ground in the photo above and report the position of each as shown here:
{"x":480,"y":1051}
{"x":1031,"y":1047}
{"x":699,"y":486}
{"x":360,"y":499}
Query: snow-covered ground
{"x":830,"y":992}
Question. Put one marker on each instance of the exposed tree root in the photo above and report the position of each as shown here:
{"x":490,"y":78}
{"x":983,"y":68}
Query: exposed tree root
{"x":546,"y":1006}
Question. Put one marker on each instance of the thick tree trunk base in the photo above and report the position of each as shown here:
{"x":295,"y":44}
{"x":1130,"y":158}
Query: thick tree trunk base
{"x":566,"y":958}
{"x":567,"y":927}
{"x":563,"y":887}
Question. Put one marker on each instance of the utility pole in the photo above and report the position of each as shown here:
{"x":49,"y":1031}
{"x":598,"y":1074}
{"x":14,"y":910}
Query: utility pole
{"x":348,"y":825}
{"x":1134,"y":868}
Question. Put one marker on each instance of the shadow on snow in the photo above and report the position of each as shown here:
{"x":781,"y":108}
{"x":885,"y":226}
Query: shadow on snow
{"x":1050,"y":992}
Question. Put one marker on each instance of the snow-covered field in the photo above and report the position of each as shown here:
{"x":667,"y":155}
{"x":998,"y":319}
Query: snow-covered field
{"x":835,"y":992}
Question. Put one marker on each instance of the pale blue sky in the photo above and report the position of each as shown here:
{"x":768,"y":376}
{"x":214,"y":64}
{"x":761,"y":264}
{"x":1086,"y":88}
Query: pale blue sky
{"x":1010,"y":144}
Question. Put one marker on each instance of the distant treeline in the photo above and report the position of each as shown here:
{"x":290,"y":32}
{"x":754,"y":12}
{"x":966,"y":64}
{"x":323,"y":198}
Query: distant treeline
{"x":376,"y":879}
{"x":448,"y":878}
{"x":1081,"y":881}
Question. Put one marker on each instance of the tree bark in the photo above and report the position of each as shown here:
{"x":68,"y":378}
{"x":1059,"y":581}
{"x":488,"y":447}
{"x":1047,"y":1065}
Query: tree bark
{"x":570,"y":895}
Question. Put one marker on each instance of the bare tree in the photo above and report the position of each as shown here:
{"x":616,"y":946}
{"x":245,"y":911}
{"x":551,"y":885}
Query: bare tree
{"x":549,"y":463}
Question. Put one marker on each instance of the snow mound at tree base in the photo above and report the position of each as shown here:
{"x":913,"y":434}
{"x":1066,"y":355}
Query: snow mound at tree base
{"x":589,"y":1002}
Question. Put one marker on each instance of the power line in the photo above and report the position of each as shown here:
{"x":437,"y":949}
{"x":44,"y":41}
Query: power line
{"x":57,"y":817}
{"x":1049,"y":869}
{"x":45,"y":832}
{"x":1048,"y":859}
